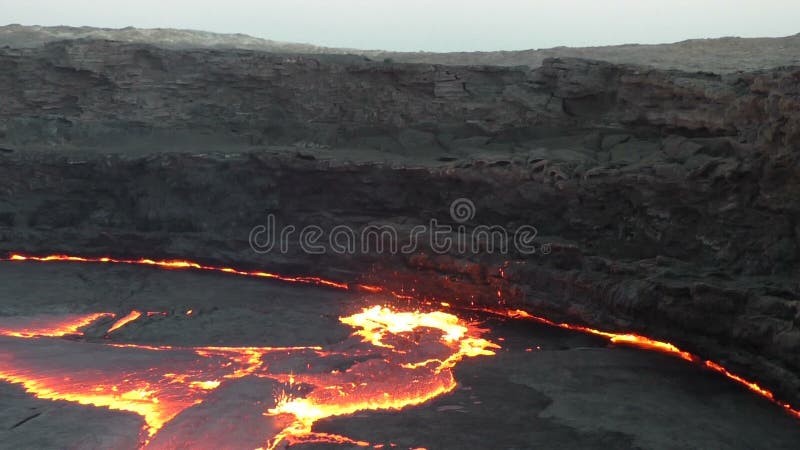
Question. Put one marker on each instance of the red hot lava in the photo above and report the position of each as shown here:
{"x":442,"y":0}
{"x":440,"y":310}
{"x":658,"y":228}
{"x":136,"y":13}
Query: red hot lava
{"x":177,"y":264}
{"x":394,"y":374}
{"x":52,"y":325}
{"x":398,"y":359}
{"x":130,"y":317}
{"x":159,"y":383}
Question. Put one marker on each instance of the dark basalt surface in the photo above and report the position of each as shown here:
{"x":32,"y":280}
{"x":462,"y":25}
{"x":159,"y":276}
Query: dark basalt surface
{"x":667,"y":200}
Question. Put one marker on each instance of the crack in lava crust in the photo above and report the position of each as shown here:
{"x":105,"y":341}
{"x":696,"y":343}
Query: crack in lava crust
{"x":157,"y":383}
{"x":176,"y":264}
{"x":137,"y":378}
{"x":402,"y":358}
{"x":647,"y":343}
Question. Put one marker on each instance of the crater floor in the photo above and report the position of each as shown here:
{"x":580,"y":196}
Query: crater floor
{"x":544,"y":388}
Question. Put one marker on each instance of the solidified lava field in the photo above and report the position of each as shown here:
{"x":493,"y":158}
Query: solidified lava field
{"x":215,"y":360}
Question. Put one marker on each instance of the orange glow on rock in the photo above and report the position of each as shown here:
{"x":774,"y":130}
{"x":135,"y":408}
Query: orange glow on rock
{"x":130,"y":317}
{"x":654,"y":345}
{"x":53,"y":326}
{"x":179,"y":264}
{"x":753,"y":387}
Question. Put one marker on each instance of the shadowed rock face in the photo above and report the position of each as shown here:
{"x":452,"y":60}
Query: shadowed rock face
{"x":668,"y":199}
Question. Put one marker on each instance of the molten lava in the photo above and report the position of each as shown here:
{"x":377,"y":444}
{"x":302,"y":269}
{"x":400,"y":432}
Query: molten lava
{"x":51,"y":325}
{"x":155,"y":382}
{"x":415,"y":352}
{"x":177,"y":264}
{"x":133,"y":315}
{"x":399,"y":359}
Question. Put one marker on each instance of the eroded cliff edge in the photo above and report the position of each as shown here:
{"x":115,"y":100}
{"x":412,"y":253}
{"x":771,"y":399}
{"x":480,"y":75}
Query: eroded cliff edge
{"x":668,"y":199}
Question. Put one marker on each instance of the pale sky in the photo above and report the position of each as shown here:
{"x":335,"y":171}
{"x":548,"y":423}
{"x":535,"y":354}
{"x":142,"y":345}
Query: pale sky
{"x":431,"y":25}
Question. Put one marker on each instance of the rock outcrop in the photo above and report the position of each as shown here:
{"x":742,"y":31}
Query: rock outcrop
{"x":665,"y":202}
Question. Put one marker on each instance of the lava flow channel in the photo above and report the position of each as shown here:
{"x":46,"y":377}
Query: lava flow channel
{"x":396,"y":359}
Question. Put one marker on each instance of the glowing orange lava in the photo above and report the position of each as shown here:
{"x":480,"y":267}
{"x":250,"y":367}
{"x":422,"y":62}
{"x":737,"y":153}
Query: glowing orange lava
{"x":177,"y":264}
{"x":652,"y":344}
{"x":125,"y":377}
{"x":409,"y":357}
{"x":52,"y":325}
{"x":133,"y":315}
{"x":400,"y":359}
{"x":395,"y":380}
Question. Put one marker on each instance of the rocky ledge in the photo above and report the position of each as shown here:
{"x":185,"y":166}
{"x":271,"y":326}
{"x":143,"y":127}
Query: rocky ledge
{"x":666,"y":203}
